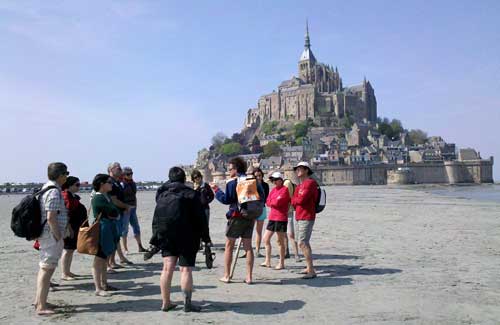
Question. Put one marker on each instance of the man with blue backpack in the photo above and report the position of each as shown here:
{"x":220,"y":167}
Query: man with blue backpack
{"x":241,"y":216}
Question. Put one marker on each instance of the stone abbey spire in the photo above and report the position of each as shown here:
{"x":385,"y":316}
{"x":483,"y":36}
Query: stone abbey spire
{"x":307,"y":59}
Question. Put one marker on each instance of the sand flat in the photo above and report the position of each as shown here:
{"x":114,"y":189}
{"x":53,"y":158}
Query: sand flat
{"x":384,"y":255}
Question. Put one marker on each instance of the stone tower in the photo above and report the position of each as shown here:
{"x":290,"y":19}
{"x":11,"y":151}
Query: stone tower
{"x":307,"y":60}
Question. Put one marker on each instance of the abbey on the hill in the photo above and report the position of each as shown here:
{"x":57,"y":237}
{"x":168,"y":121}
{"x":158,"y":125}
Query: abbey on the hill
{"x":318,"y":94}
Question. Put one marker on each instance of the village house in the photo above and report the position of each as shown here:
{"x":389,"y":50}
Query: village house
{"x":271,"y":163}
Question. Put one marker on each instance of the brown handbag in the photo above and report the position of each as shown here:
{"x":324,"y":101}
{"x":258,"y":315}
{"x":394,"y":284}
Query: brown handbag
{"x":88,"y":237}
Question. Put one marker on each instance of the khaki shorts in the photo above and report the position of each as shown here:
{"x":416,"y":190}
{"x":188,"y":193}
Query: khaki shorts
{"x":50,"y":250}
{"x":304,"y":230}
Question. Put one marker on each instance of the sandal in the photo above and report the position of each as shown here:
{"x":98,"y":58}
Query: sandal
{"x":265,"y":265}
{"x":309,"y":276}
{"x":225,"y":280}
{"x":277,"y":267}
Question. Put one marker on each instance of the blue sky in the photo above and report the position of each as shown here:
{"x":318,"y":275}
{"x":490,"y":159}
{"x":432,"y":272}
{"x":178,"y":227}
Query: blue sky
{"x":148,"y":83}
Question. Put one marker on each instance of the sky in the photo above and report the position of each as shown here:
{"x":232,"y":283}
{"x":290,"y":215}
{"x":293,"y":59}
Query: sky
{"x":148,"y":83}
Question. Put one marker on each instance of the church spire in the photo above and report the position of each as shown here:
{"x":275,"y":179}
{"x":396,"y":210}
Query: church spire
{"x":307,"y":44}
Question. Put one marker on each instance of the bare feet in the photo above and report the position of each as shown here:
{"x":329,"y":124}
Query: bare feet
{"x":225,"y":279}
{"x":45,"y":312}
{"x":168,"y":307}
{"x":265,"y":264}
{"x":249,"y":282}
{"x":67,"y":277}
{"x":279,"y":267}
{"x":126,"y":262}
{"x":102,"y":293}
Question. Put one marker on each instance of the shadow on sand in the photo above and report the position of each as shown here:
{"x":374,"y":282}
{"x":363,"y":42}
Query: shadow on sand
{"x":336,"y":275}
{"x":148,"y":305}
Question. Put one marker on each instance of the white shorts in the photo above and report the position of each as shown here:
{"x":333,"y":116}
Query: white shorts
{"x":50,"y":250}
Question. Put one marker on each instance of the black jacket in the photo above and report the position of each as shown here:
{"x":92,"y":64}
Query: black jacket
{"x":206,"y":195}
{"x":179,"y":220}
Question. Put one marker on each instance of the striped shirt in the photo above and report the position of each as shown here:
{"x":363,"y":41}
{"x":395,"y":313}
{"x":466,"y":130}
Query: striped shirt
{"x":52,"y":200}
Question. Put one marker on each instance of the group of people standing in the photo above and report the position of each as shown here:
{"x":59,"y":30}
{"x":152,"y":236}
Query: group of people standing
{"x":113,"y":203}
{"x":180,"y":224}
{"x":282,"y":200}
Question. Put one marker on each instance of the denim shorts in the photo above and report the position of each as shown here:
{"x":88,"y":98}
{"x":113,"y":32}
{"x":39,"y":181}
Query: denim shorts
{"x":263,"y":216}
{"x":130,"y":219}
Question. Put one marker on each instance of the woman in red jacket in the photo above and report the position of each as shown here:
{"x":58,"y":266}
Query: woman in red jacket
{"x":279,"y":202}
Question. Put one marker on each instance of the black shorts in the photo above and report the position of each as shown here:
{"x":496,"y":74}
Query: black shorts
{"x":70,"y":243}
{"x":185,"y":259}
{"x":239,"y":227}
{"x":277,"y":226}
{"x":100,"y":253}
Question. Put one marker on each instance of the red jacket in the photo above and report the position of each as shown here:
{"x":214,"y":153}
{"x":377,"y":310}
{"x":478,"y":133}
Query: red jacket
{"x":304,"y":200}
{"x":279,"y":201}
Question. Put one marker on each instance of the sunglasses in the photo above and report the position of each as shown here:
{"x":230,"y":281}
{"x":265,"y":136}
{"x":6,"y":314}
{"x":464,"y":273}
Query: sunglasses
{"x":129,"y":174}
{"x":66,"y":173}
{"x":77,"y":184}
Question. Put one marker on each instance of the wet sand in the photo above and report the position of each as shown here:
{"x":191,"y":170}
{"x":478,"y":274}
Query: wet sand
{"x":384,"y":255}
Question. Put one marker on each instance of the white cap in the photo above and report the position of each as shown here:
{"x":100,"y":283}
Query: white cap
{"x":276,"y":175}
{"x":304,"y":164}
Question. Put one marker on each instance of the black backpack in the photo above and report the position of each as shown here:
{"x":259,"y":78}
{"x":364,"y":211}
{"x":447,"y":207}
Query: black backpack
{"x":26,"y":219}
{"x":168,"y":218}
{"x":321,"y":201}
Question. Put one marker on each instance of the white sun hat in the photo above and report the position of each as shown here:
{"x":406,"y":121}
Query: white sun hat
{"x":304,"y":164}
{"x":276,"y":175}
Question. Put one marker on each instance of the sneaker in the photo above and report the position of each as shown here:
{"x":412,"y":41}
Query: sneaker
{"x":142,"y":250}
{"x":151,"y":252}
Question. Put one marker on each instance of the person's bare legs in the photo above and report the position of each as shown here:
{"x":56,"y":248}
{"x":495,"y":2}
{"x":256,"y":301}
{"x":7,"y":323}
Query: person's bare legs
{"x":281,"y":243}
{"x":267,"y":242}
{"x":125,"y":244}
{"x":295,"y":246}
{"x":42,"y":290}
{"x":104,"y":275}
{"x":247,"y":246}
{"x":122,"y":257}
{"x":187,"y":289}
{"x":139,"y":242}
{"x":98,"y":270}
{"x":258,"y":236}
{"x":66,"y":259}
{"x":167,"y":273}
{"x":307,"y":251}
{"x":111,"y":260}
{"x":228,"y":258}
